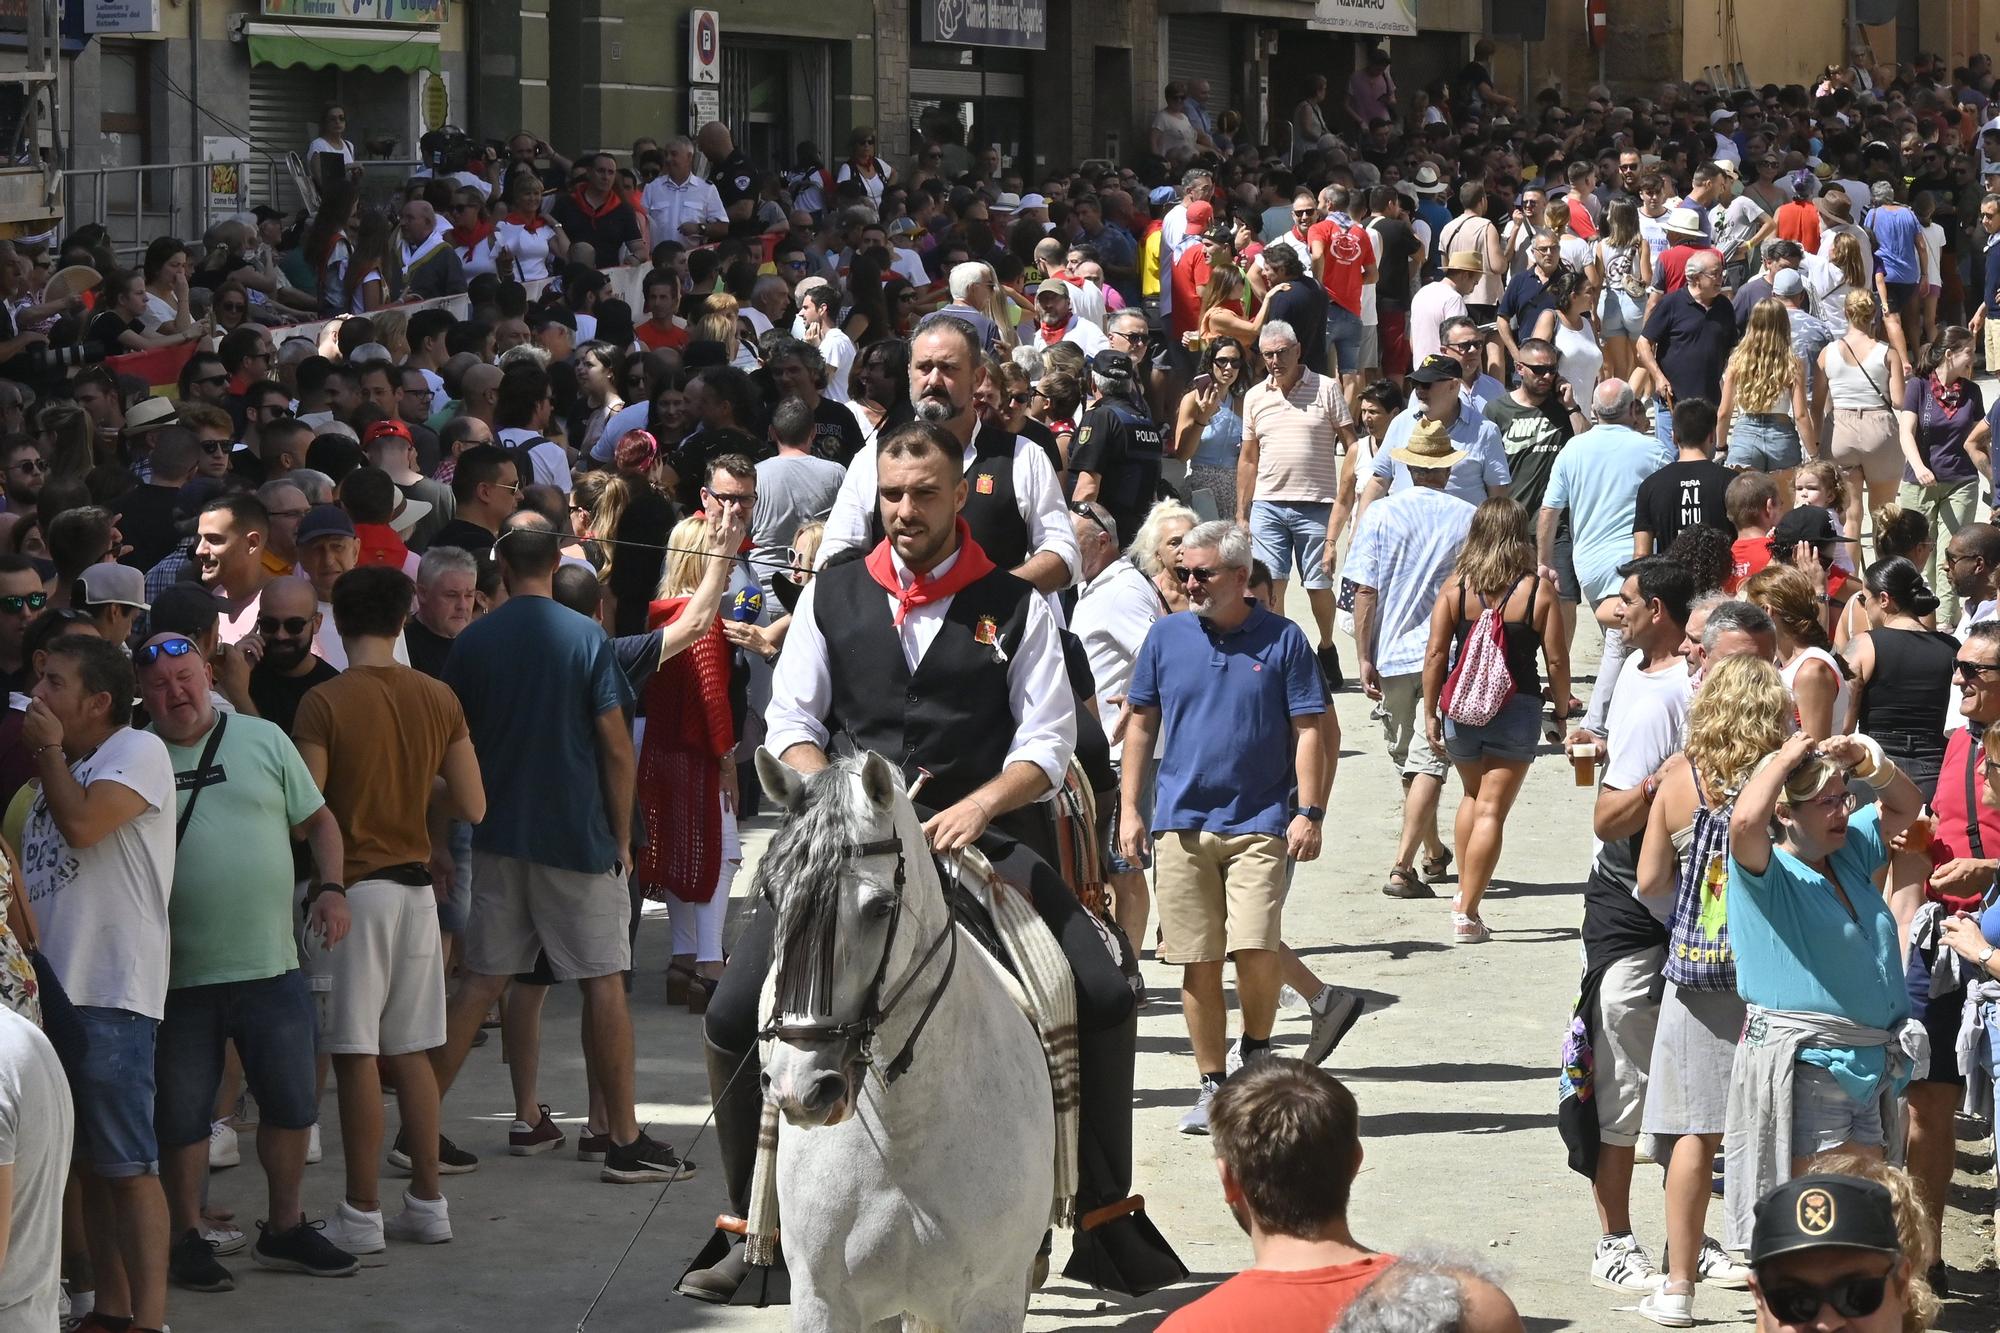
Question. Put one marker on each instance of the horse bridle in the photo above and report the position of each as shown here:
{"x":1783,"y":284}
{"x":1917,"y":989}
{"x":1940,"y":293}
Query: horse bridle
{"x":875,"y":1011}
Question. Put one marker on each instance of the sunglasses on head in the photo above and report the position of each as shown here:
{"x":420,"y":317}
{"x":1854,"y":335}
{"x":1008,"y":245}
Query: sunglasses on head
{"x":13,"y":603}
{"x":1850,"y":1297}
{"x":152,"y":652}
{"x":1084,"y":509}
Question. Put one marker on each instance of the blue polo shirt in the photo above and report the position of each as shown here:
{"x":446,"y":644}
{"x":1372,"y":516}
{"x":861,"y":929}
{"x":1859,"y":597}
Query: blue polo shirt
{"x":1226,"y":704}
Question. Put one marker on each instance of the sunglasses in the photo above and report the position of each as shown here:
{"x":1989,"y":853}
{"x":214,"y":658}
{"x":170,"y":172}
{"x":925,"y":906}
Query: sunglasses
{"x":29,"y":464}
{"x":1851,"y":1297}
{"x":1084,"y":509}
{"x":232,"y":308}
{"x":1970,"y":672}
{"x":1197,"y":573}
{"x":1231,"y":361}
{"x":291,"y":625}
{"x":215,"y":446}
{"x":1528,"y":369}
{"x":276,"y":411}
{"x":152,"y":652}
{"x":14,"y":603}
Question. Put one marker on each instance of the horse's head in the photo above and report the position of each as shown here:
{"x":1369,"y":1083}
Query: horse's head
{"x":835,"y":873}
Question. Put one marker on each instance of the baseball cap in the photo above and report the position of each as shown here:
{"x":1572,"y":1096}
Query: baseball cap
{"x":1108,"y":362}
{"x":1200,"y":213}
{"x":1056,"y":285}
{"x":324,"y":521}
{"x":377,"y":429}
{"x":1788,"y":282}
{"x":1821,"y":1210}
{"x":1163,"y":194}
{"x":1807,"y":523}
{"x":1032,"y":201}
{"x":115,"y":585}
{"x":1720,"y":114}
{"x":1436,"y":369}
{"x":903,"y":227}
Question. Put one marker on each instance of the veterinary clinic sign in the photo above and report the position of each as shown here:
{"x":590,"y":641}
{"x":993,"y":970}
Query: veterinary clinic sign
{"x":1021,"y":23}
{"x":358,"y":11}
{"x":1378,"y":18}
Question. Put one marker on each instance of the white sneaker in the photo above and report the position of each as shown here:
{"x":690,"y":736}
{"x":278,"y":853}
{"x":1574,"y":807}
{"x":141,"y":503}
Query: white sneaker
{"x":223,"y":1237}
{"x":1671,"y":1309}
{"x":224,"y":1148}
{"x":1622,"y":1264}
{"x":313,"y":1153}
{"x":1234,"y":1060}
{"x":1718,"y":1269}
{"x":350,"y":1229}
{"x":424,"y":1221}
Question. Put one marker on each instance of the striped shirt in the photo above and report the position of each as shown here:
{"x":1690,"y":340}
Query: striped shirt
{"x":1297,"y":438}
{"x":1405,"y":548}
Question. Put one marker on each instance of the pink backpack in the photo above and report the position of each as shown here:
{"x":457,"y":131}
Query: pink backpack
{"x":1480,"y":683}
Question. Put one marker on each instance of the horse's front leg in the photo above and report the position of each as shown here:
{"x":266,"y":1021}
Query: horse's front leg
{"x":813,"y":1312}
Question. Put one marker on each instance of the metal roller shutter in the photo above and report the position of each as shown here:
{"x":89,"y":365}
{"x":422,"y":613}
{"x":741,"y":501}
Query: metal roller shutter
{"x":1202,"y":46}
{"x":284,"y":117}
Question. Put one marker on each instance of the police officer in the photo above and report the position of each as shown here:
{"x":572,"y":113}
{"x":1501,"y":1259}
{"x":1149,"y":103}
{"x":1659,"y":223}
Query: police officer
{"x":1118,"y":450}
{"x":1826,"y":1253}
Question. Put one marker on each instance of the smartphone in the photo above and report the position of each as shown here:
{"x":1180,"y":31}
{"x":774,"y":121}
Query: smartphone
{"x":1203,"y":383}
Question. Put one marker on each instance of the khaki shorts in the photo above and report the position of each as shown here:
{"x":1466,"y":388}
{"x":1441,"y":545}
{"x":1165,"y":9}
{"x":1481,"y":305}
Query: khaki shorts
{"x":1866,"y":438}
{"x":381,"y":989}
{"x":521,"y":909}
{"x":1218,"y":893}
{"x":1991,"y":328}
{"x":1402,"y":726}
{"x":1628,"y":1017}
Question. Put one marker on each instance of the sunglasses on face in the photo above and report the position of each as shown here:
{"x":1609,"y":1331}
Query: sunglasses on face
{"x":275,"y":411}
{"x":215,"y":446}
{"x":1970,"y":672}
{"x":292,"y":626}
{"x":1196,"y":573}
{"x":14,"y":603}
{"x":1232,"y":362}
{"x":1851,"y":1298}
{"x":212,"y":379}
{"x":29,"y":465}
{"x":1528,"y":369}
{"x":232,"y":307}
{"x":152,"y":652}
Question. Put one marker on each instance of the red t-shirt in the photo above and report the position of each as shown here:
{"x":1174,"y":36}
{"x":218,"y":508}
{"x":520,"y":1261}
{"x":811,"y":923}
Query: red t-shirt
{"x":1348,"y":251}
{"x":1580,"y":222}
{"x":1951,"y":836}
{"x":1670,"y":273}
{"x":654,"y":336}
{"x":1751,"y":554}
{"x":1190,"y":275}
{"x":1797,"y":220}
{"x":1260,"y":1301}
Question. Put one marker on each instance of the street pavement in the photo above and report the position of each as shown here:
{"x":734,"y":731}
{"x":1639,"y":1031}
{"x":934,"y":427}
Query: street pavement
{"x":1454,"y":1066}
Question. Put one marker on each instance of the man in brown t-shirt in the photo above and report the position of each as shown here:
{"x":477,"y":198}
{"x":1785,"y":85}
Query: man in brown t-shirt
{"x":374,"y":740}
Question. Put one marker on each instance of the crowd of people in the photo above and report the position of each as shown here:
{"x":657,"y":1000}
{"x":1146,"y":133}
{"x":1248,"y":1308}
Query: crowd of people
{"x":435,"y":522}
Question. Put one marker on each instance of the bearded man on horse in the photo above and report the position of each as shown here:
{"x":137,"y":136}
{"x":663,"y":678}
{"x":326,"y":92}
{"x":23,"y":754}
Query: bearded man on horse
{"x":927,"y":654}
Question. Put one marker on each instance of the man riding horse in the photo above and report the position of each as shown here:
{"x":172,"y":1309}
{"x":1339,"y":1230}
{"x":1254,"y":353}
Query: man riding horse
{"x":928,"y":654}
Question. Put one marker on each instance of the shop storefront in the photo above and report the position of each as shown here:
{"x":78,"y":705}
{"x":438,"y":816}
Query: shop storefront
{"x":970,"y":69}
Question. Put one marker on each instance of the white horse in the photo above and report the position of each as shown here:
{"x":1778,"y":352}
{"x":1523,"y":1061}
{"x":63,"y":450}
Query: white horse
{"x":908,"y":1198}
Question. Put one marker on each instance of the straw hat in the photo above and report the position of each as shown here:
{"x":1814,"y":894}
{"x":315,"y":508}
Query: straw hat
{"x":1464,"y":261}
{"x":1430,"y":446}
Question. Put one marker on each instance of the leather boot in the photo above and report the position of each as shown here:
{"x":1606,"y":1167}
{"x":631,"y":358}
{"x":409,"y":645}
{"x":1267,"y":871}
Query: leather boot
{"x":1125,"y":1253}
{"x":720,"y":1274}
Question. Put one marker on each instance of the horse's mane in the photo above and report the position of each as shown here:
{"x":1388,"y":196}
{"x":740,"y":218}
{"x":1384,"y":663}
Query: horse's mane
{"x":799,"y":874}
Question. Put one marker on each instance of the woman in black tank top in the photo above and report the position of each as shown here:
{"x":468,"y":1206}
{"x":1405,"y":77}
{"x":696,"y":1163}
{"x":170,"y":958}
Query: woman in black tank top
{"x":1495,"y":572}
{"x":1904,"y":671}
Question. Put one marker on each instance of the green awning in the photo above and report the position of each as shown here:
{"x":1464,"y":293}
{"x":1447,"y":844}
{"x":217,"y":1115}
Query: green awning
{"x":409,"y":53}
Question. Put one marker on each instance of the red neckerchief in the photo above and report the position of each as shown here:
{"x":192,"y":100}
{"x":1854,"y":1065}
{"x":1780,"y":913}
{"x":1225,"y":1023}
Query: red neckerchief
{"x":532,"y":222}
{"x":380,"y":545}
{"x":972,"y":564}
{"x":1949,"y":398}
{"x":610,"y":205}
{"x":470,"y":238}
{"x":1052,"y":336}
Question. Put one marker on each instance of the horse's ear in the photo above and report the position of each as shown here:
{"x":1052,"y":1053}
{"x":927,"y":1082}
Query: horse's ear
{"x":878,"y":780}
{"x":782,"y":783}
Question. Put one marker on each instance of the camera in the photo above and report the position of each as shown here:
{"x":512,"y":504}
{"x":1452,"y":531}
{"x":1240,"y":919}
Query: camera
{"x":445,"y":151}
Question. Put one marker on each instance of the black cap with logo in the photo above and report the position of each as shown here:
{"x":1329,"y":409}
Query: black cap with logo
{"x":1438,"y":370}
{"x":1818,"y":1211}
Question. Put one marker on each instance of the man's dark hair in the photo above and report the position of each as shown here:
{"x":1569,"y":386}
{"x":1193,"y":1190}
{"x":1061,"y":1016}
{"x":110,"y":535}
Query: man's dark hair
{"x":1290,"y":1135}
{"x":355,"y":331}
{"x":273,"y":439}
{"x":478,"y":466}
{"x":199,"y":366}
{"x":530,"y":547}
{"x":1283,"y":261}
{"x":385,"y":369}
{"x":238,"y":344}
{"x":184,"y":608}
{"x":16,"y":564}
{"x":77,"y":539}
{"x":336,"y":456}
{"x":246,"y":512}
{"x":578,"y":589}
{"x":373,"y":600}
{"x":368,"y":495}
{"x":808,"y":356}
{"x":920,"y":439}
{"x":468,"y":335}
{"x":952,"y":324}
{"x":1665,"y":580}
{"x":102,"y":668}
{"x":734,"y":465}
{"x":1982,"y":540}
{"x":1694,"y":422}
{"x":428,"y":324}
{"x":522,"y":390}
{"x":791,"y":423}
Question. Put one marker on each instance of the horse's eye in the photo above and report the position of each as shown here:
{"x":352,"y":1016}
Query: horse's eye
{"x":878,"y":909}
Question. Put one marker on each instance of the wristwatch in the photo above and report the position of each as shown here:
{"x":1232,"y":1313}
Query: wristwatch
{"x":1315,"y":813}
{"x":1985,"y":957}
{"x":327,"y":886}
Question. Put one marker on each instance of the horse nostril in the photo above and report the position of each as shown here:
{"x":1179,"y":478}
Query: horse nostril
{"x":764,"y":1083}
{"x":823,"y":1091}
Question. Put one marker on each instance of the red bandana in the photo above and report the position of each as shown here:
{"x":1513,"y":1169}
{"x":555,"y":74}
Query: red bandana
{"x":612,"y":203}
{"x":469,"y":238}
{"x":972,"y":564}
{"x":532,"y":221}
{"x":1052,"y":336}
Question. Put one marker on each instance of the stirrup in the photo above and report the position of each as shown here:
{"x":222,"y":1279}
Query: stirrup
{"x":759,"y":1287}
{"x":1117,"y":1248}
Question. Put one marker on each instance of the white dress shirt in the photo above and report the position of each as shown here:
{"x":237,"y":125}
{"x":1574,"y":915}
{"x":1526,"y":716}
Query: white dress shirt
{"x":1113,"y":613}
{"x":1037,"y":494}
{"x":1037,"y":686}
{"x":669,"y":205}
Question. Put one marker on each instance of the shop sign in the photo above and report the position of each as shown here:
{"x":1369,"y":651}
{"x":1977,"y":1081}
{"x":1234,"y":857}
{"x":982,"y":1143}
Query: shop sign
{"x":1377,"y":18}
{"x":358,"y":11}
{"x":121,"y":16}
{"x":1021,"y":23}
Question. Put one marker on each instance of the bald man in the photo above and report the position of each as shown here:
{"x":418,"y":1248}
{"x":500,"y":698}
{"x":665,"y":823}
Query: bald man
{"x":283,"y":663}
{"x":479,"y":391}
{"x":424,"y":266}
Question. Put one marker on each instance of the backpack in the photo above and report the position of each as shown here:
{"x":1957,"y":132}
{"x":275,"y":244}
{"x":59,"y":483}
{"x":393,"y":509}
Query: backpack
{"x":1480,"y":683}
{"x":1699,"y":956}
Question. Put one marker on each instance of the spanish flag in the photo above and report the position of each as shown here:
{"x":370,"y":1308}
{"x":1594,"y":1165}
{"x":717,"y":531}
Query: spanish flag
{"x":160,"y":367}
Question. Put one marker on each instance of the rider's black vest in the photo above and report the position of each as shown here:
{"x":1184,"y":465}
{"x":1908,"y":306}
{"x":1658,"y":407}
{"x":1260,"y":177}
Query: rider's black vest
{"x":951,"y":716}
{"x":992,"y":509}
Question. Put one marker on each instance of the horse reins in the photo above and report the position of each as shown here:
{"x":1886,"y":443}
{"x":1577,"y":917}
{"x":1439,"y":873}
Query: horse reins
{"x":876,"y":1011}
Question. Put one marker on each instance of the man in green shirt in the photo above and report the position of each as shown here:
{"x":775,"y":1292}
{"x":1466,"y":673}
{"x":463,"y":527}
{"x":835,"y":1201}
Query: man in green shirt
{"x":243,"y":795}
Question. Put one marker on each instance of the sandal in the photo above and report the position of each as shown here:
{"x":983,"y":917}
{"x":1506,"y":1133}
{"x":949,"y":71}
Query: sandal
{"x":700,"y":990}
{"x":1436,"y":866}
{"x":1403,"y":883}
{"x":680,"y":980}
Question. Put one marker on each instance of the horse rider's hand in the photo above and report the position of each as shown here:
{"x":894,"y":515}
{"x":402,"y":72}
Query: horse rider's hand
{"x":1132,"y":837}
{"x":1301,"y":839}
{"x":956,"y":828}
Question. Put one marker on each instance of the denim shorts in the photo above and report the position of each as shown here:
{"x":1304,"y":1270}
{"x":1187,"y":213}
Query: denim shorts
{"x":112,"y":1086}
{"x":1824,"y":1116}
{"x":273,"y":1023}
{"x":451,"y":912}
{"x":1285,"y":531}
{"x":1107,"y":819}
{"x":1902,"y":293}
{"x":1621,"y":316}
{"x":1513,"y":736}
{"x":1343,"y":338}
{"x":1764,"y":442}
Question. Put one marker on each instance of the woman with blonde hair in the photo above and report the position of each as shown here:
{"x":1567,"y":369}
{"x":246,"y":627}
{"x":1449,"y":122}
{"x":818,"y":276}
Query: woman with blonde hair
{"x":1156,"y":547}
{"x":1947,"y":447}
{"x":1627,"y":265}
{"x":1495,"y":572}
{"x":1819,"y":681}
{"x":1864,"y":378}
{"x":1844,"y":277}
{"x":720,"y":321}
{"x":392,"y":330}
{"x":687,"y":781}
{"x":1741,"y":713}
{"x":1764,"y":418}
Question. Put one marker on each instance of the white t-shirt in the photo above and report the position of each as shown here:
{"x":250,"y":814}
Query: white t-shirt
{"x":330,"y":650}
{"x":103,"y":909}
{"x":318,"y":146}
{"x":839,"y":353}
{"x":551,"y":463}
{"x":37,"y":1125}
{"x":1646,"y":722}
